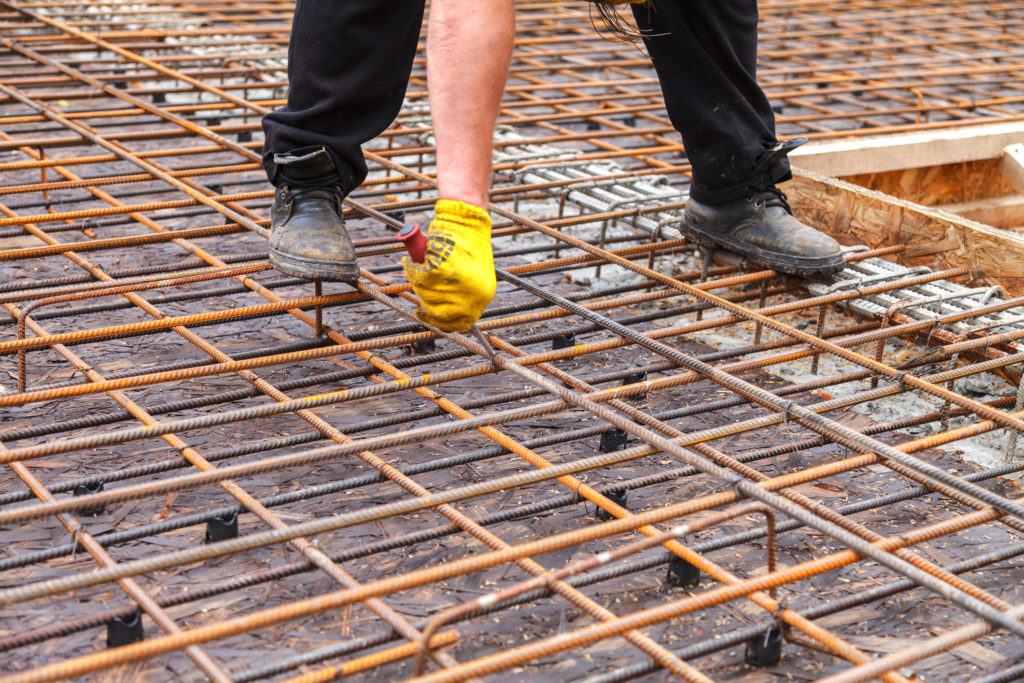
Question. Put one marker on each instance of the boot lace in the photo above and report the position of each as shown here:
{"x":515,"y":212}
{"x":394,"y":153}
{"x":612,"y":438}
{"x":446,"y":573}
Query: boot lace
{"x":329,"y":192}
{"x":772,"y":196}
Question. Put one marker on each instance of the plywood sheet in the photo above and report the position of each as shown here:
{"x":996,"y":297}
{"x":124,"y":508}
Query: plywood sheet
{"x":855,"y":215}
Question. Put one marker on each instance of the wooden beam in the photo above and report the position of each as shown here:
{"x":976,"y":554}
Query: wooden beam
{"x":1011,"y":165}
{"x":907,"y":150}
{"x":999,"y":212}
{"x":854,"y":215}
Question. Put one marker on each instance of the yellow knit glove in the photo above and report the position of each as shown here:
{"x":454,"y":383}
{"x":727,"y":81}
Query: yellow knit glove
{"x":457,"y":280}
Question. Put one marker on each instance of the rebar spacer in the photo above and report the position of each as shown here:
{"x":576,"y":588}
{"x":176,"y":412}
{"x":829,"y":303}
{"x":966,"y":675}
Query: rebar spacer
{"x":563,"y":341}
{"x":681,"y":573}
{"x":620,"y":498}
{"x":85,"y":490}
{"x":614,"y":439}
{"x":222,"y":528}
{"x":766,"y":650}
{"x":425,"y":346}
{"x":398,"y":215}
{"x":125,"y":630}
{"x":636,"y":378}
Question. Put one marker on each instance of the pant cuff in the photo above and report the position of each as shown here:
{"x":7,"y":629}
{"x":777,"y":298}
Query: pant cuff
{"x":723,"y":194}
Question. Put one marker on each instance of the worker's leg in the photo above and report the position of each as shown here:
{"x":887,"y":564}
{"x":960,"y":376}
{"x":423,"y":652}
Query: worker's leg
{"x":469,"y":45}
{"x":348,"y":68}
{"x":705,"y":53}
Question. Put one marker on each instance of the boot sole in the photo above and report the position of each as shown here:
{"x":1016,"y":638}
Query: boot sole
{"x":790,"y":264}
{"x":309,"y":269}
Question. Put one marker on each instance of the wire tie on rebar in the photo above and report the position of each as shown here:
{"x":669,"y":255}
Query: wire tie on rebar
{"x":945,"y":411}
{"x":786,"y":407}
{"x":75,"y":544}
{"x":771,"y":626}
{"x":579,"y":497}
{"x":901,"y":378}
{"x":734,"y":480}
{"x":767,"y":651}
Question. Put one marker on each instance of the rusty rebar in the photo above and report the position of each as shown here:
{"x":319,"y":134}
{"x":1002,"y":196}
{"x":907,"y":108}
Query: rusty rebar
{"x":131,"y":139}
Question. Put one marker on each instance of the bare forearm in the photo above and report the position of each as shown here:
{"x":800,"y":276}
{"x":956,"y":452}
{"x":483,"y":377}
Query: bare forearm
{"x":469,"y":46}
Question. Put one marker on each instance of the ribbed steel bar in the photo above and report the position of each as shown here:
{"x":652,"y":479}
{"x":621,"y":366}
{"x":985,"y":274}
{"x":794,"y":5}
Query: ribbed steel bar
{"x":831,"y":428}
{"x":129,"y":129}
{"x":522,"y":511}
{"x":307,"y":549}
{"x":648,"y":646}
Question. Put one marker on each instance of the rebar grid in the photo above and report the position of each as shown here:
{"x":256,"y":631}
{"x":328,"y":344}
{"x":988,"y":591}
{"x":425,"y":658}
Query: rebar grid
{"x":636,"y":400}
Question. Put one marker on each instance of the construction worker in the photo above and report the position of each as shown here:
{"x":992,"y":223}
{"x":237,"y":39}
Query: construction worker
{"x":349,"y":65}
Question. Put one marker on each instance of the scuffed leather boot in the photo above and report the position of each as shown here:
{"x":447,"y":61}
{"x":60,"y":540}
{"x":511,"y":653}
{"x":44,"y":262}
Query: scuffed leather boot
{"x":307,"y":233}
{"x":762,"y":228}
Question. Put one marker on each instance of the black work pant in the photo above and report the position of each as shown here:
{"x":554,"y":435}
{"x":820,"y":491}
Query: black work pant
{"x":349,"y":64}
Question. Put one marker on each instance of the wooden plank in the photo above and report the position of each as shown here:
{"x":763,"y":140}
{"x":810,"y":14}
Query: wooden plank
{"x":999,"y":212}
{"x":1011,"y":165}
{"x":908,"y":150}
{"x":934,"y":185}
{"x":855,"y":215}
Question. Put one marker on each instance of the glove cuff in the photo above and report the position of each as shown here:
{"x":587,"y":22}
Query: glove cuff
{"x":468,"y":215}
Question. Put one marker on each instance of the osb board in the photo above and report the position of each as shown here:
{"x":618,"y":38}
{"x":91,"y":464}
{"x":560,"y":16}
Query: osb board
{"x":933,"y":185}
{"x":855,"y":215}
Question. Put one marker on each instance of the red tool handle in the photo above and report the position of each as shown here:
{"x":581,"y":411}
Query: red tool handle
{"x":415,"y":241}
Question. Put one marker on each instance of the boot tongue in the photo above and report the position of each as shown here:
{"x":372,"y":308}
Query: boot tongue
{"x":775,"y":198}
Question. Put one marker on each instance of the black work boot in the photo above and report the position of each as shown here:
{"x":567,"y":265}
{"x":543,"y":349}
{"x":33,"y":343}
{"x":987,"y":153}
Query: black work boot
{"x":761,"y":227}
{"x":307,"y":233}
